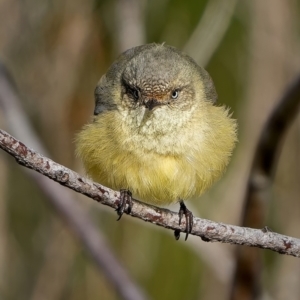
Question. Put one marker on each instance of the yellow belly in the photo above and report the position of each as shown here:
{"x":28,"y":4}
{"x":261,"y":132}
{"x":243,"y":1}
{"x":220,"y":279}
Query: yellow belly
{"x":113,"y":158}
{"x":158,"y":180}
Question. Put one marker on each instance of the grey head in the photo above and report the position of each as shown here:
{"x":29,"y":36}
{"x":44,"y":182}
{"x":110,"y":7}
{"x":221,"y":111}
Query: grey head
{"x":152,"y":75}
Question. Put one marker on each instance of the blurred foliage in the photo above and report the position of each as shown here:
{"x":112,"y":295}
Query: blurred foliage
{"x":57,"y":51}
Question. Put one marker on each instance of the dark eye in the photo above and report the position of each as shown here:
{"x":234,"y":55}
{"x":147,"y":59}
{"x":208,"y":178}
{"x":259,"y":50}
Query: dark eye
{"x":175,"y":94}
{"x":135,"y":93}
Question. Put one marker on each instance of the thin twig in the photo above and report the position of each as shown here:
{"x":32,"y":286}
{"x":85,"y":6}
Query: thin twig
{"x":208,"y":230}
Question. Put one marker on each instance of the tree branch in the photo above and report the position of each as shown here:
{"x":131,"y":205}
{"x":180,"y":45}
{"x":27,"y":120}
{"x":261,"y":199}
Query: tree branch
{"x":208,"y":230}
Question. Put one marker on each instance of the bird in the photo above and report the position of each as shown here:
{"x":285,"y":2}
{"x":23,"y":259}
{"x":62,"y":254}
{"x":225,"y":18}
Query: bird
{"x":157,"y":133}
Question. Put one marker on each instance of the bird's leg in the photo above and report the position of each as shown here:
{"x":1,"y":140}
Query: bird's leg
{"x":125,"y":198}
{"x":189,"y":220}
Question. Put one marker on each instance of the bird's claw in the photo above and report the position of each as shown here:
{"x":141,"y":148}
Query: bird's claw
{"x":189,"y":220}
{"x":125,"y":198}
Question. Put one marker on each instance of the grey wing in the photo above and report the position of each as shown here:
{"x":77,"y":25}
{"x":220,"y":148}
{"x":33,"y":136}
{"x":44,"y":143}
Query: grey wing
{"x":103,"y":97}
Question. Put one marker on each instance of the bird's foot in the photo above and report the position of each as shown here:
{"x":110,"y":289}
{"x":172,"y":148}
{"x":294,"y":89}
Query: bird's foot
{"x":125,"y":198}
{"x":189,"y":220}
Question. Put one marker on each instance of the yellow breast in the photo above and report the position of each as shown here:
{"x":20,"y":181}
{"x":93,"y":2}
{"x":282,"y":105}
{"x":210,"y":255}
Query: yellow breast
{"x":157,"y":169}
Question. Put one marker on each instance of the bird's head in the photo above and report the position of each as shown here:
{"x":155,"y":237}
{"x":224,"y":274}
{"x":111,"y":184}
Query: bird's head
{"x":155,"y":82}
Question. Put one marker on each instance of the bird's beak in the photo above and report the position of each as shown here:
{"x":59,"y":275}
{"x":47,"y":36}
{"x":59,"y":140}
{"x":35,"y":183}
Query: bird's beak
{"x":151,"y":103}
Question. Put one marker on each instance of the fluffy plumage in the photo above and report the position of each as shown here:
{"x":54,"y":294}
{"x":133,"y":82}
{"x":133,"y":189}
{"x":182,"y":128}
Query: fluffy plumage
{"x":157,"y":130}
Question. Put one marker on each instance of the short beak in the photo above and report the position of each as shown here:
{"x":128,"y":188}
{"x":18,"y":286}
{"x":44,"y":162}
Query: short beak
{"x":151,"y":103}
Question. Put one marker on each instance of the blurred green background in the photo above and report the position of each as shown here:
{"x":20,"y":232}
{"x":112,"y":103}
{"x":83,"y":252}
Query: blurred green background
{"x":56,"y":52}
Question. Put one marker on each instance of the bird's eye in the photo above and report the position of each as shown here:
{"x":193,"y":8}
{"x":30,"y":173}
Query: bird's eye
{"x":135,"y":93}
{"x":175,"y":94}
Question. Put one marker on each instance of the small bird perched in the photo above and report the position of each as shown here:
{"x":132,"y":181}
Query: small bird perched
{"x":157,"y":133}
